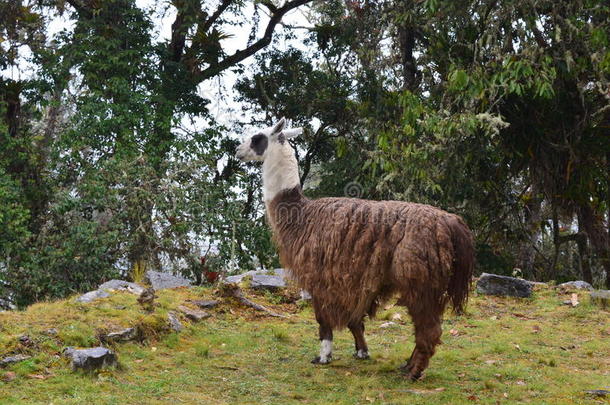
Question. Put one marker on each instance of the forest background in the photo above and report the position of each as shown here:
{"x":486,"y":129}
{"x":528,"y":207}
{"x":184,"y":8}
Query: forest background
{"x":119,"y":119}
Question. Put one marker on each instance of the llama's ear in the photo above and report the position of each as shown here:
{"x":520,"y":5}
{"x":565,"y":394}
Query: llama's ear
{"x":277,"y":128}
{"x":292,"y":132}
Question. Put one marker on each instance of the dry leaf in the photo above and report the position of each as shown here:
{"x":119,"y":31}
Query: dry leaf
{"x":517,"y":347}
{"x":37,"y":376}
{"x":490,"y":361}
{"x":520,"y":382}
{"x":493,"y":318}
{"x":154,"y":349}
{"x":9,"y":376}
{"x":472,"y":397}
{"x":536,"y":328}
{"x":454,"y":332}
{"x":396,"y":317}
{"x":574,"y":300}
{"x":505,"y":395}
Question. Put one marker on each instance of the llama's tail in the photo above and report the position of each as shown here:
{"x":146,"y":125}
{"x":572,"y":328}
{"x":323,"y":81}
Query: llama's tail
{"x":463,"y":264}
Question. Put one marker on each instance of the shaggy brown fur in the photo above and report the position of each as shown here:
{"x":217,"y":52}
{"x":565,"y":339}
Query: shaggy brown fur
{"x":352,"y":255}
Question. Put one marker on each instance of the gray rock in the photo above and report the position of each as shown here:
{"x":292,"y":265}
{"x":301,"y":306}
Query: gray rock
{"x":238,"y":278}
{"x":267,"y":282}
{"x":206,"y":304}
{"x":493,"y":284}
{"x":262,"y":279}
{"x":92,"y":296}
{"x":576,"y":285}
{"x":91,"y":359}
{"x":193,"y":314}
{"x":305,"y":296}
{"x":13,"y":359}
{"x":51,"y":332}
{"x":122,"y":285}
{"x":160,"y":281}
{"x":601,"y":298}
{"x":124,"y":335}
{"x":598,"y":393}
{"x":174,"y":322}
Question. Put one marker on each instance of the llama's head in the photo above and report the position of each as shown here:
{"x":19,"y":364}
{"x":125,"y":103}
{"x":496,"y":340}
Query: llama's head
{"x":257,"y":147}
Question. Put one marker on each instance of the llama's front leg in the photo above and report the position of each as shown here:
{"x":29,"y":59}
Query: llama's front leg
{"x":326,"y":345}
{"x":357,"y":329}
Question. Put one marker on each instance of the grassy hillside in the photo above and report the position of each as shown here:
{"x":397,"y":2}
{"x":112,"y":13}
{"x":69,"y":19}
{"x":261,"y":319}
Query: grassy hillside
{"x":502,"y":351}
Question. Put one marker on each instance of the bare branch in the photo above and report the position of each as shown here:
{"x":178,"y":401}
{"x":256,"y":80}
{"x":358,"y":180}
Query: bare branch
{"x":270,"y":6}
{"x":208,"y":23}
{"x":265,"y":40}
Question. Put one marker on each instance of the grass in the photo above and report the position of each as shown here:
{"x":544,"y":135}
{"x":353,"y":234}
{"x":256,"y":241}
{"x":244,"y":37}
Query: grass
{"x":502,"y":351}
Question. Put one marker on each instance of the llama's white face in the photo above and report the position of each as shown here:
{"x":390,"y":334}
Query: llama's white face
{"x":256,"y":147}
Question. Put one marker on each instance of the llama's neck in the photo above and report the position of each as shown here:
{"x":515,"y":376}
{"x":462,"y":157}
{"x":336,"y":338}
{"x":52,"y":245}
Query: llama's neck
{"x":280,"y":171}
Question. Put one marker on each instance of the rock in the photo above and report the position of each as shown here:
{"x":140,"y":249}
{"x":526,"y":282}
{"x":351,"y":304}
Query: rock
{"x":91,"y":359}
{"x":124,"y":335}
{"x":576,"y":285}
{"x":160,"y":281}
{"x":601,"y":298}
{"x":598,"y":393}
{"x":493,"y":284}
{"x":267,"y":282}
{"x":387,"y":324}
{"x":262,"y":279}
{"x":193,"y":314}
{"x":206,"y":304}
{"x":239,"y":277}
{"x":14,"y":359}
{"x":174,"y":322}
{"x":51,"y":332}
{"x":92,"y":296}
{"x":25,"y":340}
{"x":122,"y":285}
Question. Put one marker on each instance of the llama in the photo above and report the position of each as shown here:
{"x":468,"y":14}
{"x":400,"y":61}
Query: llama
{"x":353,"y":255}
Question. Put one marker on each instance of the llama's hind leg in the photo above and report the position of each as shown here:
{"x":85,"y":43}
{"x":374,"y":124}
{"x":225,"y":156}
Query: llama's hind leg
{"x":427,"y":336}
{"x":357,"y":329}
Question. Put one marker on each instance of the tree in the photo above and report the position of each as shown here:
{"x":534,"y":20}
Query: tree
{"x":124,"y":182}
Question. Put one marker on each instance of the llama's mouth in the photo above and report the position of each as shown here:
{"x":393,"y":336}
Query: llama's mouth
{"x":239,"y":156}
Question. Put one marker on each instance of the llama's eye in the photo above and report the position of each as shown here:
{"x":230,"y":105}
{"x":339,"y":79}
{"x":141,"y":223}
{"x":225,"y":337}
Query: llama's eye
{"x":259,"y":144}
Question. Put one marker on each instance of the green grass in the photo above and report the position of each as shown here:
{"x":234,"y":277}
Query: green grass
{"x":502,"y":351}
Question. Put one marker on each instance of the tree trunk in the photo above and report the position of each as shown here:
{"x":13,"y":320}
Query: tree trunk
{"x":527,"y":250}
{"x":556,"y":242}
{"x":584,"y":253}
{"x":599,"y":237}
{"x":406,"y":42}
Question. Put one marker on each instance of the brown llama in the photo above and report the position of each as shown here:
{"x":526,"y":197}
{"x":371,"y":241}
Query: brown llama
{"x":352,"y":255}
